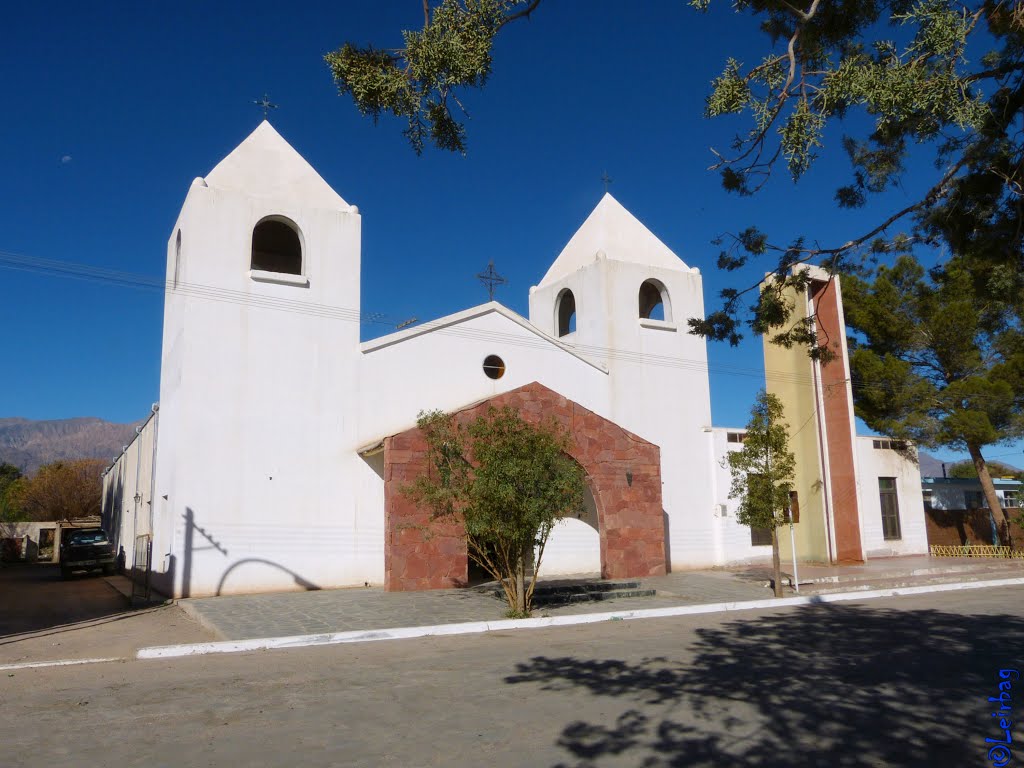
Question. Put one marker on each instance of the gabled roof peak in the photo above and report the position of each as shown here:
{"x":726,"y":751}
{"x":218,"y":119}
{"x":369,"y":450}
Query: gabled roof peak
{"x":616,"y":232}
{"x":265,"y":165}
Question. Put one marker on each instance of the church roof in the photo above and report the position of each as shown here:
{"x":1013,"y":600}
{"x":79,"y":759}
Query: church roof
{"x":265,"y":165}
{"x":620,"y":235}
{"x":458,"y":318}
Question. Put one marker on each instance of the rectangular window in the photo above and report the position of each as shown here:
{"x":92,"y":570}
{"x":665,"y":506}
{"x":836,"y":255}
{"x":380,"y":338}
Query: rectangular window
{"x":927,"y":494}
{"x":889,"y":445}
{"x":890,"y":508}
{"x":760,"y":537}
{"x":975,"y":500}
{"x":735,"y":437}
{"x":1011,"y":498}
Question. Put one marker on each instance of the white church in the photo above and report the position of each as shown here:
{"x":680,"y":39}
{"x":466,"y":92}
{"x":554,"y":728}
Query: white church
{"x":276,"y":454}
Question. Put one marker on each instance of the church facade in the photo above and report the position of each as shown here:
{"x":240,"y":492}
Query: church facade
{"x":275,"y":457}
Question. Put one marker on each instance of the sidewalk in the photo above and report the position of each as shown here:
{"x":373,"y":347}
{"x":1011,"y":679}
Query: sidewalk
{"x":247,"y":618}
{"x":288,"y":614}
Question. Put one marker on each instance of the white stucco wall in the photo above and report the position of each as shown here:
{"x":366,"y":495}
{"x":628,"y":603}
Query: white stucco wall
{"x":872,"y":464}
{"x":732,"y":539}
{"x":124,"y":516}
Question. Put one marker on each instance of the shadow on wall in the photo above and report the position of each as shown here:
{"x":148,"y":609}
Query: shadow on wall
{"x":823,"y":685}
{"x":198,"y":539}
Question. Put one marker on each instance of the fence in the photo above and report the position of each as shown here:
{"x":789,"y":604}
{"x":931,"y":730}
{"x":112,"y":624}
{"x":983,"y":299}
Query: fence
{"x":975,"y":550}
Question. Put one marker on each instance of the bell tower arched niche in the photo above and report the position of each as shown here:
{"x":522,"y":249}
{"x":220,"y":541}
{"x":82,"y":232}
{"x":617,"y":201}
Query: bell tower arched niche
{"x":277,"y":246}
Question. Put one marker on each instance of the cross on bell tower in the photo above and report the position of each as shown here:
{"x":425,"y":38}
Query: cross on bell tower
{"x":491,"y":279}
{"x":266,"y":104}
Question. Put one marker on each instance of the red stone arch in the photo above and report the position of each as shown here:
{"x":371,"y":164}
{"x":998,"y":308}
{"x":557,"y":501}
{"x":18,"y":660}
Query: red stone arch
{"x":624,"y":474}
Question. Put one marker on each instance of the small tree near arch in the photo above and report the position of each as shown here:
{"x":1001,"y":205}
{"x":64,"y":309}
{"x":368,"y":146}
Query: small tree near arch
{"x":508,"y":482}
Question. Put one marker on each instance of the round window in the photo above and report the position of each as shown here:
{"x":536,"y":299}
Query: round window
{"x":494,"y":367}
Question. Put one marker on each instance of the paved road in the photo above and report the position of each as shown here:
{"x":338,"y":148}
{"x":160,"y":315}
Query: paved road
{"x":35,"y":597}
{"x":43,"y":617}
{"x":895,"y":682}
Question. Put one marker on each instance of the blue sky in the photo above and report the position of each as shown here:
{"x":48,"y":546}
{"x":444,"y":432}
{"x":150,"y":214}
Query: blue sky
{"x":110,"y":110}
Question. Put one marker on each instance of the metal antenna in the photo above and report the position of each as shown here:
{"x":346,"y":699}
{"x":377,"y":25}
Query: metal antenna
{"x":607,"y":180}
{"x":265,"y":103}
{"x":491,"y":279}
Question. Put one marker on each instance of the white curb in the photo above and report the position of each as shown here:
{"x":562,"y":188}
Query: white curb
{"x":475,"y":627}
{"x":57,"y":663}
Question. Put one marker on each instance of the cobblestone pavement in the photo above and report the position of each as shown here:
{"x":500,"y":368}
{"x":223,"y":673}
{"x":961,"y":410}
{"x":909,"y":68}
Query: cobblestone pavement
{"x":299,"y":613}
{"x":240,"y":617}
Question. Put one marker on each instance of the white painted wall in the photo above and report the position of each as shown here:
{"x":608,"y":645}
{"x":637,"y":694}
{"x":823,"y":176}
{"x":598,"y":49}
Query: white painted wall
{"x":130,"y":476}
{"x":872,"y":464}
{"x":574,"y":546}
{"x":732,"y":539}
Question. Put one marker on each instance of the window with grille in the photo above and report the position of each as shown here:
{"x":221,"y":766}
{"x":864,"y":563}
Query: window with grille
{"x":760,"y":537}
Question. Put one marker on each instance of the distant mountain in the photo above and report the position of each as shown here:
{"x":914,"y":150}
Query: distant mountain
{"x":930,"y":466}
{"x":28,"y":444}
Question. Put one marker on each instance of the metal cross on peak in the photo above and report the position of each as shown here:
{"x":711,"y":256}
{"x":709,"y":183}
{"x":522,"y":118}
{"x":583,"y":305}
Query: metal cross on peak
{"x":607,"y":180}
{"x":491,"y":279}
{"x":266,"y":104}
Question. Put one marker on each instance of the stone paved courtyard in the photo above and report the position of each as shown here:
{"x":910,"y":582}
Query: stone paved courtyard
{"x":240,"y":617}
{"x":339,"y":610}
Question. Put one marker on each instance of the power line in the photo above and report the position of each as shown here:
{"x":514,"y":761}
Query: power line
{"x":52,"y":267}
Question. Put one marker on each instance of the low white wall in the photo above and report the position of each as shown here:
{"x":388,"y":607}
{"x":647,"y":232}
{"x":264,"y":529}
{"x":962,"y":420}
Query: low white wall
{"x":127,"y":505}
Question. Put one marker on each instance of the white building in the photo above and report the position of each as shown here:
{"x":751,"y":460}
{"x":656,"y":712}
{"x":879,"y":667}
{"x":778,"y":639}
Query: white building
{"x":272,"y":460}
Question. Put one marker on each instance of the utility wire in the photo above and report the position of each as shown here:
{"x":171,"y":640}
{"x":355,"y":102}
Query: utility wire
{"x":52,"y":267}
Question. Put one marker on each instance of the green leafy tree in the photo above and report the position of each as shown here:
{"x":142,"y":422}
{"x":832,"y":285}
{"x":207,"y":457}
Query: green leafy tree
{"x":508,"y":482}
{"x":937,"y":361}
{"x":967,"y":471}
{"x":9,"y":476}
{"x":61,"y":490}
{"x":762,"y":474}
{"x":420,"y":81}
{"x":936,"y":82}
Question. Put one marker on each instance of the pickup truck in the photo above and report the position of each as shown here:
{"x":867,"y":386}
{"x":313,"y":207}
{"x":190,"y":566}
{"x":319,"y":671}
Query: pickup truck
{"x":87,"y":549}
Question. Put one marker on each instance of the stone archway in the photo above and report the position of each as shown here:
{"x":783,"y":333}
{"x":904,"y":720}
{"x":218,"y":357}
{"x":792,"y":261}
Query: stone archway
{"x":624,"y":474}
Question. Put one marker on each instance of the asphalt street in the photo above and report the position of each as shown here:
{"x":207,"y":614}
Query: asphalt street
{"x":893,"y":682}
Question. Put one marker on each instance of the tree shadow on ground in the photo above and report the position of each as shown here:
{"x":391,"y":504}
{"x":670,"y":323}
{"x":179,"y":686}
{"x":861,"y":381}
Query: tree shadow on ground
{"x":824,"y":685}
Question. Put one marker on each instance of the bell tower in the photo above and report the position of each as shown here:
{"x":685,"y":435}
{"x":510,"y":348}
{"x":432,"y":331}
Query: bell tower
{"x":261,"y":337}
{"x":619,"y":295}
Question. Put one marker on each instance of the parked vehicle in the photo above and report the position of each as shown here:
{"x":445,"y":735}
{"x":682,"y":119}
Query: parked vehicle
{"x":87,"y":549}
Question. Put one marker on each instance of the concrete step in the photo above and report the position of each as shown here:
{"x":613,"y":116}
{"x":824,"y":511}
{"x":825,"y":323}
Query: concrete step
{"x":939,"y":569}
{"x":563,"y":593}
{"x":906,"y":581}
{"x":590,"y":597}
